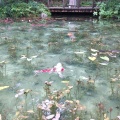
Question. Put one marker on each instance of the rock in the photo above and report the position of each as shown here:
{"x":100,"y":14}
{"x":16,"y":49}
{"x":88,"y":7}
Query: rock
{"x":43,"y":15}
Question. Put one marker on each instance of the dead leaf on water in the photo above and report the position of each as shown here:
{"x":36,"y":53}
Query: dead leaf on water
{"x":92,"y":58}
{"x":94,"y":50}
{"x":24,"y":117}
{"x":3,"y":87}
{"x":17,"y":113}
{"x":30,"y":111}
{"x":105,"y":117}
{"x":65,"y":81}
{"x":105,"y":58}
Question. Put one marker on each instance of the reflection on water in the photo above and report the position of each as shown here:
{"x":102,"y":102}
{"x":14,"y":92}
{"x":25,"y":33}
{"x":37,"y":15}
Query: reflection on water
{"x":89,"y":50}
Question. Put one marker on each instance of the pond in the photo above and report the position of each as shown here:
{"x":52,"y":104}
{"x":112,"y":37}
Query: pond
{"x":32,"y":55}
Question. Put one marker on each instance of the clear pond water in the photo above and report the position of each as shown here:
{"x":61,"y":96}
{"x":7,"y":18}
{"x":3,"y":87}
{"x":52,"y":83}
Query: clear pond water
{"x":88,"y":49}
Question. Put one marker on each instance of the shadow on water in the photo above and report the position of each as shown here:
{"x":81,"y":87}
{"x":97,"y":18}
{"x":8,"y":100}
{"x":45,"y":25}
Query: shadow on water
{"x":73,"y":16}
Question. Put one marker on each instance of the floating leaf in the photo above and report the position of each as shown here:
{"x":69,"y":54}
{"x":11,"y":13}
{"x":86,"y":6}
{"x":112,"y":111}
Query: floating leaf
{"x":93,"y":50}
{"x":67,"y":91}
{"x":3,"y":87}
{"x":27,"y":91}
{"x":94,"y":54}
{"x":103,"y":63}
{"x":30,"y":111}
{"x":82,"y":52}
{"x":85,"y":78}
{"x":65,"y":81}
{"x":70,"y":87}
{"x":24,"y":117}
{"x":17,"y":113}
{"x":34,"y":56}
{"x":92,"y":58}
{"x":105,"y":117}
{"x":91,"y":81}
{"x":105,"y":58}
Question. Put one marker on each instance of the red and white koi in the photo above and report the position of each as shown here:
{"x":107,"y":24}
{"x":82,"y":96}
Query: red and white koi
{"x":56,"y":69}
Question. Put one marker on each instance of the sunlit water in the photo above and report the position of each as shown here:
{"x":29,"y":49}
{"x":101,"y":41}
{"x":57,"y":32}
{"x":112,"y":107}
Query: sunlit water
{"x":51,"y":44}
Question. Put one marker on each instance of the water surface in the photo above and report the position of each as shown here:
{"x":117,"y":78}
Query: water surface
{"x":52,"y":44}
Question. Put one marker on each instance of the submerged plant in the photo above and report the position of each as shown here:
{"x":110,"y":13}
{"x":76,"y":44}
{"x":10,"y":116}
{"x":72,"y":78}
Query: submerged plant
{"x":3,"y":67}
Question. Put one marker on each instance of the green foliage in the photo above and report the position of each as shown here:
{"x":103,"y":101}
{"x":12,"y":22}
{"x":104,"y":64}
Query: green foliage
{"x":109,"y":9}
{"x":22,"y":9}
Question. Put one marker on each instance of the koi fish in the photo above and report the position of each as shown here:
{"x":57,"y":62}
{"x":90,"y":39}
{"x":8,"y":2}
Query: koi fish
{"x":72,"y":36}
{"x":56,"y":69}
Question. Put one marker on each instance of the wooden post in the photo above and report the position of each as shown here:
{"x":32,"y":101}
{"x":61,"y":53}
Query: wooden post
{"x":48,"y":3}
{"x":93,"y":4}
{"x":78,"y":3}
{"x":63,"y":3}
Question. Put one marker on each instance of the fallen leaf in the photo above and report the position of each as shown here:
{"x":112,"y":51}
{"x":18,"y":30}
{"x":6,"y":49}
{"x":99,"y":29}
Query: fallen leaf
{"x":70,"y":87}
{"x":91,"y":81}
{"x":65,"y":81}
{"x":3,"y":87}
{"x":103,"y":63}
{"x":30,"y":111}
{"x":79,"y":52}
{"x":105,"y":117}
{"x":24,"y":117}
{"x":105,"y":58}
{"x":17,"y":113}
{"x":94,"y":54}
{"x":93,"y":50}
{"x":92,"y":58}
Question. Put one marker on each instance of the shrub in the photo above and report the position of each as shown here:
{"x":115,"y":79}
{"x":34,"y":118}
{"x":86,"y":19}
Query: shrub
{"x":109,"y":9}
{"x":22,"y":9}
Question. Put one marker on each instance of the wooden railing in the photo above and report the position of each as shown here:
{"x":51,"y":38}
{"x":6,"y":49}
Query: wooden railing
{"x":65,"y":3}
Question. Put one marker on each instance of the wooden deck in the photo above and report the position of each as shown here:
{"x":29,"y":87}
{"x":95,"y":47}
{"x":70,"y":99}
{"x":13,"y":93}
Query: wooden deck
{"x":73,"y":9}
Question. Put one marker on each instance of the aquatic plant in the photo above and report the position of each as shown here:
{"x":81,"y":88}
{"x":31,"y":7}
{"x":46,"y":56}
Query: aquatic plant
{"x":12,"y":51}
{"x":80,"y":89}
{"x":3,"y":67}
{"x":17,"y":10}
